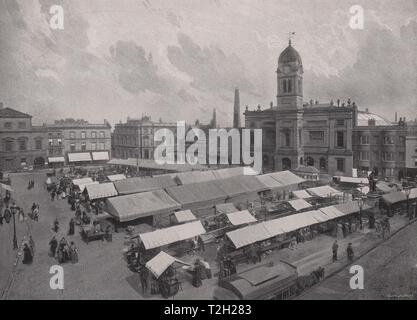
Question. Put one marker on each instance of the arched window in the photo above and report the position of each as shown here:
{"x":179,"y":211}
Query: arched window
{"x":323,"y":164}
{"x":286,"y":164}
{"x":286,"y":138}
{"x":289,"y":85}
{"x":310,"y":161}
{"x":301,"y":161}
{"x":284,"y":85}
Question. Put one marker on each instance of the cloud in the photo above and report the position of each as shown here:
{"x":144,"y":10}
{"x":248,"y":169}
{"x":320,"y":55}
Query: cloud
{"x":209,"y":67}
{"x":136,"y":71}
{"x":384,"y":76}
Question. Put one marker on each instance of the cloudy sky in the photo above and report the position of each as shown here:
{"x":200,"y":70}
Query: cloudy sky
{"x":179,"y":59}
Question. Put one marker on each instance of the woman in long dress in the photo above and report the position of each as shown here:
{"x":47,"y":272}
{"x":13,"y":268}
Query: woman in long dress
{"x":27,"y":255}
{"x":71,"y":230}
{"x":73,"y":253}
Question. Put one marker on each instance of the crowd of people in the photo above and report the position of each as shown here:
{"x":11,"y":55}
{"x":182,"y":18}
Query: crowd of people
{"x":63,"y":251}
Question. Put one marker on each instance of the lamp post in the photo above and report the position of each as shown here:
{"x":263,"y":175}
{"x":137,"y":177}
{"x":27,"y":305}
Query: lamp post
{"x":360,"y":203}
{"x":15,"y":246}
{"x":407,"y":194}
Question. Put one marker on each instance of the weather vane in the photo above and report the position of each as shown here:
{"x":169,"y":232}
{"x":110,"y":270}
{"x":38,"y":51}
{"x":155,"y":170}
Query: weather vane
{"x":290,"y":34}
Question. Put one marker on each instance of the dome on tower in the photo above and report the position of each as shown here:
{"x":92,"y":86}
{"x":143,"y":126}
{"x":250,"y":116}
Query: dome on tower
{"x":290,"y":55}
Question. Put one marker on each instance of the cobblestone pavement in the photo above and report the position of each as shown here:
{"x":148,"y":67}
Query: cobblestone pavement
{"x":390,"y":272}
{"x":102,"y":272}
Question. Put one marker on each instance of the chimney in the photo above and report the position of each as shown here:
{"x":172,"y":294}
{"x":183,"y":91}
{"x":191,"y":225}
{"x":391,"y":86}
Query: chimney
{"x":236,"y":110}
{"x":396,"y":117}
{"x":214,"y":119}
{"x":371,"y":122}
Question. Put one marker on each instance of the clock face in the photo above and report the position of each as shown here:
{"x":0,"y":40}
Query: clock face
{"x":286,"y":69}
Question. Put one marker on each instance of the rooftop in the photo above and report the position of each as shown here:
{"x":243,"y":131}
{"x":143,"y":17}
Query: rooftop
{"x":12,"y":113}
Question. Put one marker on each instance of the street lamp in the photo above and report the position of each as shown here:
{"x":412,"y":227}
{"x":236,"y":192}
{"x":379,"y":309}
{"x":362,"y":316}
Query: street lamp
{"x":407,"y":194}
{"x":360,"y":203}
{"x":15,"y":246}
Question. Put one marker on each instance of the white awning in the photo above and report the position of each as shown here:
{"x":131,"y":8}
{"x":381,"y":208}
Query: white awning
{"x":325,"y":191}
{"x":81,"y":181}
{"x":102,"y":155}
{"x":82,"y":186}
{"x":301,"y":194}
{"x":102,"y":190}
{"x":6,"y":187}
{"x":56,"y":159}
{"x":116,"y":177}
{"x":332,"y":212}
{"x":184,"y":216}
{"x":162,"y":237}
{"x":78,"y":157}
{"x":353,"y":180}
{"x":241,"y":217}
{"x":299,"y":204}
{"x":158,"y":264}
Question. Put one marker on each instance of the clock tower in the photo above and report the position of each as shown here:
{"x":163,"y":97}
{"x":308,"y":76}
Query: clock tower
{"x":290,"y":79}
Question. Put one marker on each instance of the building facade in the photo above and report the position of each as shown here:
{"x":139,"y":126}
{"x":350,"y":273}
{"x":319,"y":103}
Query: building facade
{"x":78,"y":141}
{"x":135,"y":138}
{"x":411,"y":150}
{"x":380,"y":146}
{"x":22,"y":144}
{"x":297,"y":133}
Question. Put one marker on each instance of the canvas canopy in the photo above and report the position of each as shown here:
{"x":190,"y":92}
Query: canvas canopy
{"x":83,"y":186}
{"x":184,"y":216}
{"x":102,"y":190}
{"x":151,"y":164}
{"x":116,"y":177}
{"x":248,"y":235}
{"x":351,"y":207}
{"x":233,"y":172}
{"x":413,"y":193}
{"x":301,"y":194}
{"x":299,"y":204}
{"x":286,"y":178}
{"x":100,"y":156}
{"x":270,"y":182}
{"x":78,"y":157}
{"x":195,"y":177}
{"x":291,"y":223}
{"x":353,"y":180}
{"x":241,"y":217}
{"x":198,"y":195}
{"x":56,"y":159}
{"x":384,"y":187}
{"x":162,"y":261}
{"x":332,"y":212}
{"x":394,"y":197}
{"x":325,"y":191}
{"x":6,"y":187}
{"x":162,"y":237}
{"x":134,"y":206}
{"x":224,"y":208}
{"x":81,"y":181}
{"x":137,"y":184}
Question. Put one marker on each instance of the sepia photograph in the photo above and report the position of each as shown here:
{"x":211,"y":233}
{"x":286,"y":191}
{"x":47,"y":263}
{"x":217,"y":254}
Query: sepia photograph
{"x":212,"y":150}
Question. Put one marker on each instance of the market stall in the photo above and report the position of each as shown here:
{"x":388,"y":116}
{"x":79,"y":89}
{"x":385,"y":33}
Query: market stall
{"x":148,"y":205}
{"x":100,"y":191}
{"x":139,"y":184}
{"x":116,"y":177}
{"x":172,"y":238}
{"x":184,"y":216}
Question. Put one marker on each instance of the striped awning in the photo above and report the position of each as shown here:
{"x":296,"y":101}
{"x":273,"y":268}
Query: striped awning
{"x":100,"y":156}
{"x":56,"y":159}
{"x":78,"y":157}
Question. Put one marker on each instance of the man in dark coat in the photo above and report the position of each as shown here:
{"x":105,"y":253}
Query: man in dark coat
{"x":71,"y":230}
{"x":349,"y":252}
{"x":53,"y":244}
{"x":334,"y":250}
{"x":198,"y":270}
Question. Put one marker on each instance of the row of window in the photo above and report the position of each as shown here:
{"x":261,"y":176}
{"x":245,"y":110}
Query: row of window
{"x":20,"y":125}
{"x":9,"y":145}
{"x":132,"y":141}
{"x":386,"y":156}
{"x":365,"y":140}
{"x":129,"y":153}
{"x":84,"y":134}
{"x":83,"y":146}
